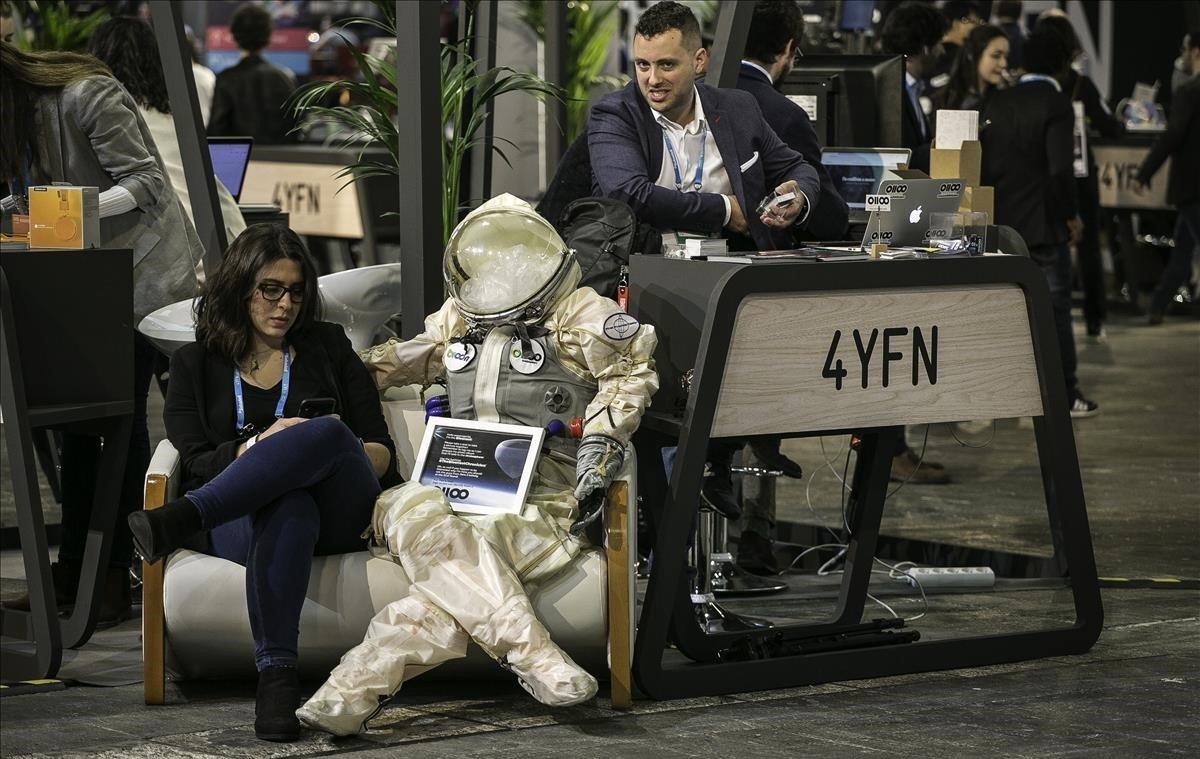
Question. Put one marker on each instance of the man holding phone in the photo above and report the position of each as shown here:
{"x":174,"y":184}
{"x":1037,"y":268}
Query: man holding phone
{"x":692,"y":158}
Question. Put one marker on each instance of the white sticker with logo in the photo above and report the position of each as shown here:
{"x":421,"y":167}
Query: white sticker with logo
{"x":458,"y":356}
{"x":522,"y":365}
{"x":621,"y":327}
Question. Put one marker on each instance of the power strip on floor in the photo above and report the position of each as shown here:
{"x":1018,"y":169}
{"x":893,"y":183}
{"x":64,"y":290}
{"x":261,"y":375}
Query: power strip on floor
{"x":949,"y":577}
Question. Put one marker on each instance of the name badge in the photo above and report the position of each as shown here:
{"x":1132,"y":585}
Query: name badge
{"x":519,"y":363}
{"x":458,"y":356}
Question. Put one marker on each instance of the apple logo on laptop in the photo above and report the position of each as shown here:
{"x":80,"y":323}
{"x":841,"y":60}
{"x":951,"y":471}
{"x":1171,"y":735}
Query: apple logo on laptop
{"x":915,"y":216}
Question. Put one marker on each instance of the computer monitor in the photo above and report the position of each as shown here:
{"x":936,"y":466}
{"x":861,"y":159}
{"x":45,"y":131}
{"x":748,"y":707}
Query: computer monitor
{"x":857,"y":15}
{"x":230,"y":155}
{"x":856,"y":173}
{"x":855,"y":98}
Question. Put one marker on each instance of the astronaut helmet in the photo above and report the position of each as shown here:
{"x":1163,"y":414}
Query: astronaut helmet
{"x":505,"y":263}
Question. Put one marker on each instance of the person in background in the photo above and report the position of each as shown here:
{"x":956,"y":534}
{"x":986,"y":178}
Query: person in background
{"x":271,"y":488}
{"x":126,"y":45}
{"x":773,"y":44}
{"x":1028,"y":156}
{"x":1006,"y":14}
{"x":206,"y":80}
{"x":915,"y":30}
{"x":1181,"y":142}
{"x":1098,"y":119}
{"x":65,"y":118}
{"x":980,"y":68}
{"x":250,"y":99}
{"x":961,"y":17}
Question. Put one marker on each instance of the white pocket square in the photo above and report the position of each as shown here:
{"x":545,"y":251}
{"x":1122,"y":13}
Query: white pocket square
{"x":753,"y":160}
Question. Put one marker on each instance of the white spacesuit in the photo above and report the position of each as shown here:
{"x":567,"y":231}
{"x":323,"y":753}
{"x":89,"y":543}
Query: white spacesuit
{"x":518,"y":342}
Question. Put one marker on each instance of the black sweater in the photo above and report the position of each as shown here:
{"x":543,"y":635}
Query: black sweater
{"x":200,"y":416}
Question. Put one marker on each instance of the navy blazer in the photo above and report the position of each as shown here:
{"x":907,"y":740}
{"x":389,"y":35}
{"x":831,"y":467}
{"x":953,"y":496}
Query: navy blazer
{"x":829,"y":220}
{"x":626,"y":146}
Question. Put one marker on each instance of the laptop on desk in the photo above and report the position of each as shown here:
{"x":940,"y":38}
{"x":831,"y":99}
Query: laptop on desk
{"x":230,"y":156}
{"x":857,"y":172}
{"x":913,"y":203}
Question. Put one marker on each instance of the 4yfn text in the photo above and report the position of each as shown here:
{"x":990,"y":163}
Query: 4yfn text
{"x":916,"y":346}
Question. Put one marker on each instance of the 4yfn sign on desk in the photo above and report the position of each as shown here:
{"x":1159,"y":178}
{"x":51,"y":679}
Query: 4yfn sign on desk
{"x":311,"y":193}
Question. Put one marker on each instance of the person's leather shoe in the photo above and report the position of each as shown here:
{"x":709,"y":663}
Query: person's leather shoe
{"x":276,"y":703}
{"x":772,"y":458}
{"x":755,"y":555}
{"x":906,"y":467}
{"x":158,"y":532}
{"x":717,"y":491}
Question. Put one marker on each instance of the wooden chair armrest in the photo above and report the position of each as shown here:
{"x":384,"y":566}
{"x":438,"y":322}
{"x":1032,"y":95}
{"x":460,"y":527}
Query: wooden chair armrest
{"x":618,"y":548}
{"x":164,"y":468}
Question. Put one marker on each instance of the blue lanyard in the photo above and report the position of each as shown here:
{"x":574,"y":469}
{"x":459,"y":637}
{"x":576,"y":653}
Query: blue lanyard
{"x":240,"y":403}
{"x":698,"y":180}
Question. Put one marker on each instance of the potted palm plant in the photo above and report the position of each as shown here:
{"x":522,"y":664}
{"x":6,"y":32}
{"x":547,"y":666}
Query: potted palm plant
{"x":591,"y":25}
{"x":365,"y":115}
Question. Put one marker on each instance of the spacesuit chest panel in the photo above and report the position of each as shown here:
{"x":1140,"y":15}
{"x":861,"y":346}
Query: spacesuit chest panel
{"x":499,"y":385}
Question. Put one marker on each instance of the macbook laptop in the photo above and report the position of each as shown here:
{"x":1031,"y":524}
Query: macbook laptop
{"x":856,"y":172}
{"x":913,"y":201}
{"x":230,"y":156}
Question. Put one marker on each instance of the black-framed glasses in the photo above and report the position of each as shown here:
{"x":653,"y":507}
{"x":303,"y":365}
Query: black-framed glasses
{"x":274,"y":293}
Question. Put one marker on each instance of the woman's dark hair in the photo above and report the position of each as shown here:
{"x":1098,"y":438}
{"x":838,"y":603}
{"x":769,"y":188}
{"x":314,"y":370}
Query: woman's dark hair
{"x":127,"y":46}
{"x":1060,"y":27}
{"x":964,"y":74}
{"x":667,"y":15}
{"x":911,"y":27}
{"x":773,"y":24}
{"x":222,"y":313}
{"x":251,"y":27}
{"x":23,"y":78}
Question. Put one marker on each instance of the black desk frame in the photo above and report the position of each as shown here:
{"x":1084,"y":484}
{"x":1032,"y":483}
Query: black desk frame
{"x":111,"y":420}
{"x":667,"y":613}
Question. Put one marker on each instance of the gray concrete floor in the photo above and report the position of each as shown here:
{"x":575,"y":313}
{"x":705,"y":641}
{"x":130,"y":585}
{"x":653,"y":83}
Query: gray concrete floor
{"x":1136,"y":693}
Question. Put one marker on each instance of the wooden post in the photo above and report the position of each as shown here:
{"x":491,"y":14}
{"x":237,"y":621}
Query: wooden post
{"x":153,"y":670}
{"x":619,"y":600}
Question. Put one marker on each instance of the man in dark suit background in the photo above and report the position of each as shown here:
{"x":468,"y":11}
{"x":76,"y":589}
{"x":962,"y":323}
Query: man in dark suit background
{"x":250,"y":98}
{"x":1181,"y":142}
{"x":776,"y":31}
{"x":688,"y":157}
{"x":1028,"y":156}
{"x":915,"y":30}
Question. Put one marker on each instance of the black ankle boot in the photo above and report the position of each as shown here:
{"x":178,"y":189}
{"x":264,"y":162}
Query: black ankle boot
{"x":276,"y":704}
{"x":158,"y":532}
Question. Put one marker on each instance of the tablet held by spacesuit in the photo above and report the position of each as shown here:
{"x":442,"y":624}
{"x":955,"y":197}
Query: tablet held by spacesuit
{"x":482,"y":467}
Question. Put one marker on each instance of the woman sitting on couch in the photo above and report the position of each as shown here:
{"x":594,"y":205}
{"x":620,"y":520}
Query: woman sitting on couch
{"x":271,"y":487}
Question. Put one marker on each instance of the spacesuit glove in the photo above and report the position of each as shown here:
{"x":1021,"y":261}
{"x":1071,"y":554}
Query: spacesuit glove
{"x":596,"y":466}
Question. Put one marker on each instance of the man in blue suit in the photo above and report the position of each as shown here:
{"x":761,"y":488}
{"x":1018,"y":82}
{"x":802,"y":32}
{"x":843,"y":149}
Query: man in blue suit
{"x":776,"y":31}
{"x":690,"y":158}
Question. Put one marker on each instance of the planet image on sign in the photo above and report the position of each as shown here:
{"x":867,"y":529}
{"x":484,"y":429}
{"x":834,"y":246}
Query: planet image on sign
{"x":510,"y":456}
{"x":915,"y":216}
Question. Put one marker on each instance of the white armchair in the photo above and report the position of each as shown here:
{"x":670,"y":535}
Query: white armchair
{"x":195,"y":624}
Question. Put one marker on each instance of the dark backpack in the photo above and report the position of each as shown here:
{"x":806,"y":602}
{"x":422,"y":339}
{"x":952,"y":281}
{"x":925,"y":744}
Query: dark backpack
{"x":604,"y":233}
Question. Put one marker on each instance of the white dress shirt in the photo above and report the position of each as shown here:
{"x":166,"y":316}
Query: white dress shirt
{"x":685,"y":141}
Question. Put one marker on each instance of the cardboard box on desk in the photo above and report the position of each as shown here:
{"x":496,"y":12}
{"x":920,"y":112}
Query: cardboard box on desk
{"x":964,"y":163}
{"x":976,"y":198}
{"x":64,"y":216}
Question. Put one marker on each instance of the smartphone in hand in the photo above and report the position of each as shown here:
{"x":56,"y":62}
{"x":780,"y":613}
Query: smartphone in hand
{"x":311,"y":408}
{"x":776,"y":200}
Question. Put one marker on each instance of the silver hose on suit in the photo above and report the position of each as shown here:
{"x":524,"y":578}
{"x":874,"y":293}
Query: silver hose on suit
{"x":514,"y":352}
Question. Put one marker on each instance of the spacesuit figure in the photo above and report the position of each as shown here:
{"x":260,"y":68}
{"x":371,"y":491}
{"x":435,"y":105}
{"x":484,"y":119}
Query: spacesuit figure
{"x":518,"y":342}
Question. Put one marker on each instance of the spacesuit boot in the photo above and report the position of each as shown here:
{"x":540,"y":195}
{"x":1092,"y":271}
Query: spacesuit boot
{"x":406,"y":638}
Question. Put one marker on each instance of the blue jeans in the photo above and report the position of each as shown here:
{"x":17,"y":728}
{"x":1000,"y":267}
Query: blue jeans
{"x":1055,"y":262}
{"x":307,"y":490}
{"x":1179,"y":268}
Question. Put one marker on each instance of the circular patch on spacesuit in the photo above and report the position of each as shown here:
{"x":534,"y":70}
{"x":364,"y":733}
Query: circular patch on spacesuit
{"x":522,"y":365}
{"x":621,"y":327}
{"x":458,"y":356}
{"x":557,"y":399}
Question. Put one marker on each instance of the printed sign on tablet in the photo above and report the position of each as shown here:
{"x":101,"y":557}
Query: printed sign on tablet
{"x":483,"y":468}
